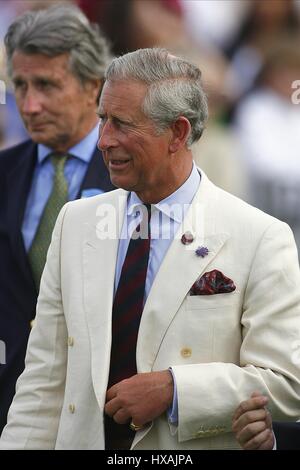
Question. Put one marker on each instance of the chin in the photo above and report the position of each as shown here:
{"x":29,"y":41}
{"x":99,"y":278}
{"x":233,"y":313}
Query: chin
{"x":40,"y":138}
{"x":122,"y":183}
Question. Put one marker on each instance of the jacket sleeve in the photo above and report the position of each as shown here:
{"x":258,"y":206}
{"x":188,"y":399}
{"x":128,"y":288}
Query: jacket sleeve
{"x":208,"y":393}
{"x":34,"y":415}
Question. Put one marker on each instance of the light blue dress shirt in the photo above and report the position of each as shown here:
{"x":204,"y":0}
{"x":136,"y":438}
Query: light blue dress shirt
{"x":166,"y":217}
{"x":42,"y":182}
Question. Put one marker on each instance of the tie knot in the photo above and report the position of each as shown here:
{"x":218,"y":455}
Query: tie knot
{"x":58,"y":162}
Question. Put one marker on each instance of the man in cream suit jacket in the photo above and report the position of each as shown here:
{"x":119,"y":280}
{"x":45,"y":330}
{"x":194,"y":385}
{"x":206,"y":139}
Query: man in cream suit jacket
{"x":222,"y":296}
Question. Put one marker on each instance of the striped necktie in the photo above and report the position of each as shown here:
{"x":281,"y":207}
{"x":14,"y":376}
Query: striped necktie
{"x":58,"y":197}
{"x":129,"y":302}
{"x":126,"y":315}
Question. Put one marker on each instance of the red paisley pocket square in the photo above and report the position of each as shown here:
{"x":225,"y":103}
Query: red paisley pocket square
{"x":213,"y":282}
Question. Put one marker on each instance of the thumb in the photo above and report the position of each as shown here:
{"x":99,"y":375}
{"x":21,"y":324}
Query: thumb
{"x":263,"y":400}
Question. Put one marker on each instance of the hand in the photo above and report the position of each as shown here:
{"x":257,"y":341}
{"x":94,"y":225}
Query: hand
{"x":252,"y":424}
{"x":141,"y":398}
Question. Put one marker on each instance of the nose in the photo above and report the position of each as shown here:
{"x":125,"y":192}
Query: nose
{"x":107,"y":138}
{"x":31,"y":103}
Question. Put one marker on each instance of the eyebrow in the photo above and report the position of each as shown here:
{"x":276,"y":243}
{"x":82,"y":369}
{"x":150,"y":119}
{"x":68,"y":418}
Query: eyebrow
{"x":115,"y":118}
{"x":44,"y":78}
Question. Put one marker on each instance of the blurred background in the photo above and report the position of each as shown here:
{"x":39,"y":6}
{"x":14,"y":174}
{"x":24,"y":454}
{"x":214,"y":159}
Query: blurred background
{"x":249,"y":54}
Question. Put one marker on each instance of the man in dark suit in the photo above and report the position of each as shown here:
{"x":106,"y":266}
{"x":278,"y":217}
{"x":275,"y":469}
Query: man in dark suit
{"x":56,"y":60}
{"x":254,"y":430}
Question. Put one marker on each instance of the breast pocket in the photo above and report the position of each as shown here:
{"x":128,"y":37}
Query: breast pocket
{"x":206,"y":302}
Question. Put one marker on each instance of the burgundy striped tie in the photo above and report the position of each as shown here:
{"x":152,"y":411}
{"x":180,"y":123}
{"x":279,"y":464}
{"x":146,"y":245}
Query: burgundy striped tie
{"x":129,"y":302}
{"x":126,"y":315}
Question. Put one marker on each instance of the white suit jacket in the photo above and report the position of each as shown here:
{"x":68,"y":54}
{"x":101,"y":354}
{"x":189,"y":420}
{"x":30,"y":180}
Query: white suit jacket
{"x":221,"y":347}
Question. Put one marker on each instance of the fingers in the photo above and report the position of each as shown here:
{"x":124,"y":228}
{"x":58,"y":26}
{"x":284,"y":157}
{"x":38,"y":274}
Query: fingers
{"x":261,"y":441}
{"x":255,"y":402}
{"x":269,"y":441}
{"x":249,"y":417}
{"x":256,"y":393}
{"x":111,"y":407}
{"x":118,"y":403}
{"x":250,"y":434}
{"x":111,"y":392}
{"x":114,"y":409}
{"x":249,"y":424}
{"x":143,"y":397}
{"x":252,"y":423}
{"x":121,"y":416}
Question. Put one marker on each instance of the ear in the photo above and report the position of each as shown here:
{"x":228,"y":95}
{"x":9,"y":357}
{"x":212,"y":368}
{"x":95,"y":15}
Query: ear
{"x":181,"y":130}
{"x":93,"y":89}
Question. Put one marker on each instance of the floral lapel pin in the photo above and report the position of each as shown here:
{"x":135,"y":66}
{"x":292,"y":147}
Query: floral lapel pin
{"x":202,"y":251}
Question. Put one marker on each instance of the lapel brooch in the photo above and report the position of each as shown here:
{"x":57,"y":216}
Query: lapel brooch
{"x":187,"y":238}
{"x":202,"y":251}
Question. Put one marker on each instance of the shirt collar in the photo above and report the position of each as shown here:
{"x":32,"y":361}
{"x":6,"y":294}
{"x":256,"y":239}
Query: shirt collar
{"x":83,"y":150}
{"x":181,"y":198}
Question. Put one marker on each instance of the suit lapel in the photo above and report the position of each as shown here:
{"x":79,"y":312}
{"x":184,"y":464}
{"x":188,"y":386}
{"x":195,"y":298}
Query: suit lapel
{"x":97,"y":175}
{"x":99,"y":262}
{"x":18,"y":185}
{"x":178,"y":271}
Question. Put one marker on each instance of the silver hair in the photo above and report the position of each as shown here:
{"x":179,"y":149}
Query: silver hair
{"x":57,"y":30}
{"x":174,"y":87}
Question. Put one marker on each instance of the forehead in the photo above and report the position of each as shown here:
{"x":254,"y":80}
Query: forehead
{"x":122,"y":96}
{"x":39,"y":64}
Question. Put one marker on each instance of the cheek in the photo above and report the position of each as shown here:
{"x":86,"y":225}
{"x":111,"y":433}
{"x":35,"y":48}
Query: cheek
{"x":65,"y":100}
{"x":68,"y":114}
{"x":19,"y":102}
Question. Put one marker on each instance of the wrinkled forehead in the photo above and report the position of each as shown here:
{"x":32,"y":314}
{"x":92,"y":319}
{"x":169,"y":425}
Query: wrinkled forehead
{"x":23,"y":63}
{"x":122,"y":95}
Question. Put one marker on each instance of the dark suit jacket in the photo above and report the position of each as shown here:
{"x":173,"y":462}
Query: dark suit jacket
{"x":287,"y":435}
{"x":18,"y":294}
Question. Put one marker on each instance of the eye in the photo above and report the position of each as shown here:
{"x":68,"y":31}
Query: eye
{"x":44,"y":84}
{"x":118,"y":123}
{"x":102,"y":120}
{"x":19,"y":84}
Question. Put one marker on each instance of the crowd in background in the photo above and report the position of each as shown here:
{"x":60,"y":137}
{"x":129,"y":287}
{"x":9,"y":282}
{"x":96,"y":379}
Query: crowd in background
{"x":249,"y":53}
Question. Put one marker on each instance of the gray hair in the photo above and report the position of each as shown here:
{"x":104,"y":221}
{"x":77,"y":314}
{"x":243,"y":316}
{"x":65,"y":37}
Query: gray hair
{"x":57,"y":30}
{"x":174,"y":87}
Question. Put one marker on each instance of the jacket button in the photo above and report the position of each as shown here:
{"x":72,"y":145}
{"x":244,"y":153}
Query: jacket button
{"x":70,"y":341}
{"x":72,"y":408}
{"x":186,"y":352}
{"x":32,"y":323}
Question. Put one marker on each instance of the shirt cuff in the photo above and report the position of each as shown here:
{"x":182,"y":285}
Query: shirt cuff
{"x":173,"y":410}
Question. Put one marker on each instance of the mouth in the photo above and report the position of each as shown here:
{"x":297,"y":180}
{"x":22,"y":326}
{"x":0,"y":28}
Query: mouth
{"x":36,"y":126}
{"x":117,"y":164}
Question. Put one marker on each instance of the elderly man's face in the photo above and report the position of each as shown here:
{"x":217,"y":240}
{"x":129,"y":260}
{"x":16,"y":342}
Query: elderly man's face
{"x":56,"y":109}
{"x":137,"y":158}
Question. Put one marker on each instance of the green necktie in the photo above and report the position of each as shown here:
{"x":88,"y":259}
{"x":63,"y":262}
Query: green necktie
{"x":58,"y":197}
